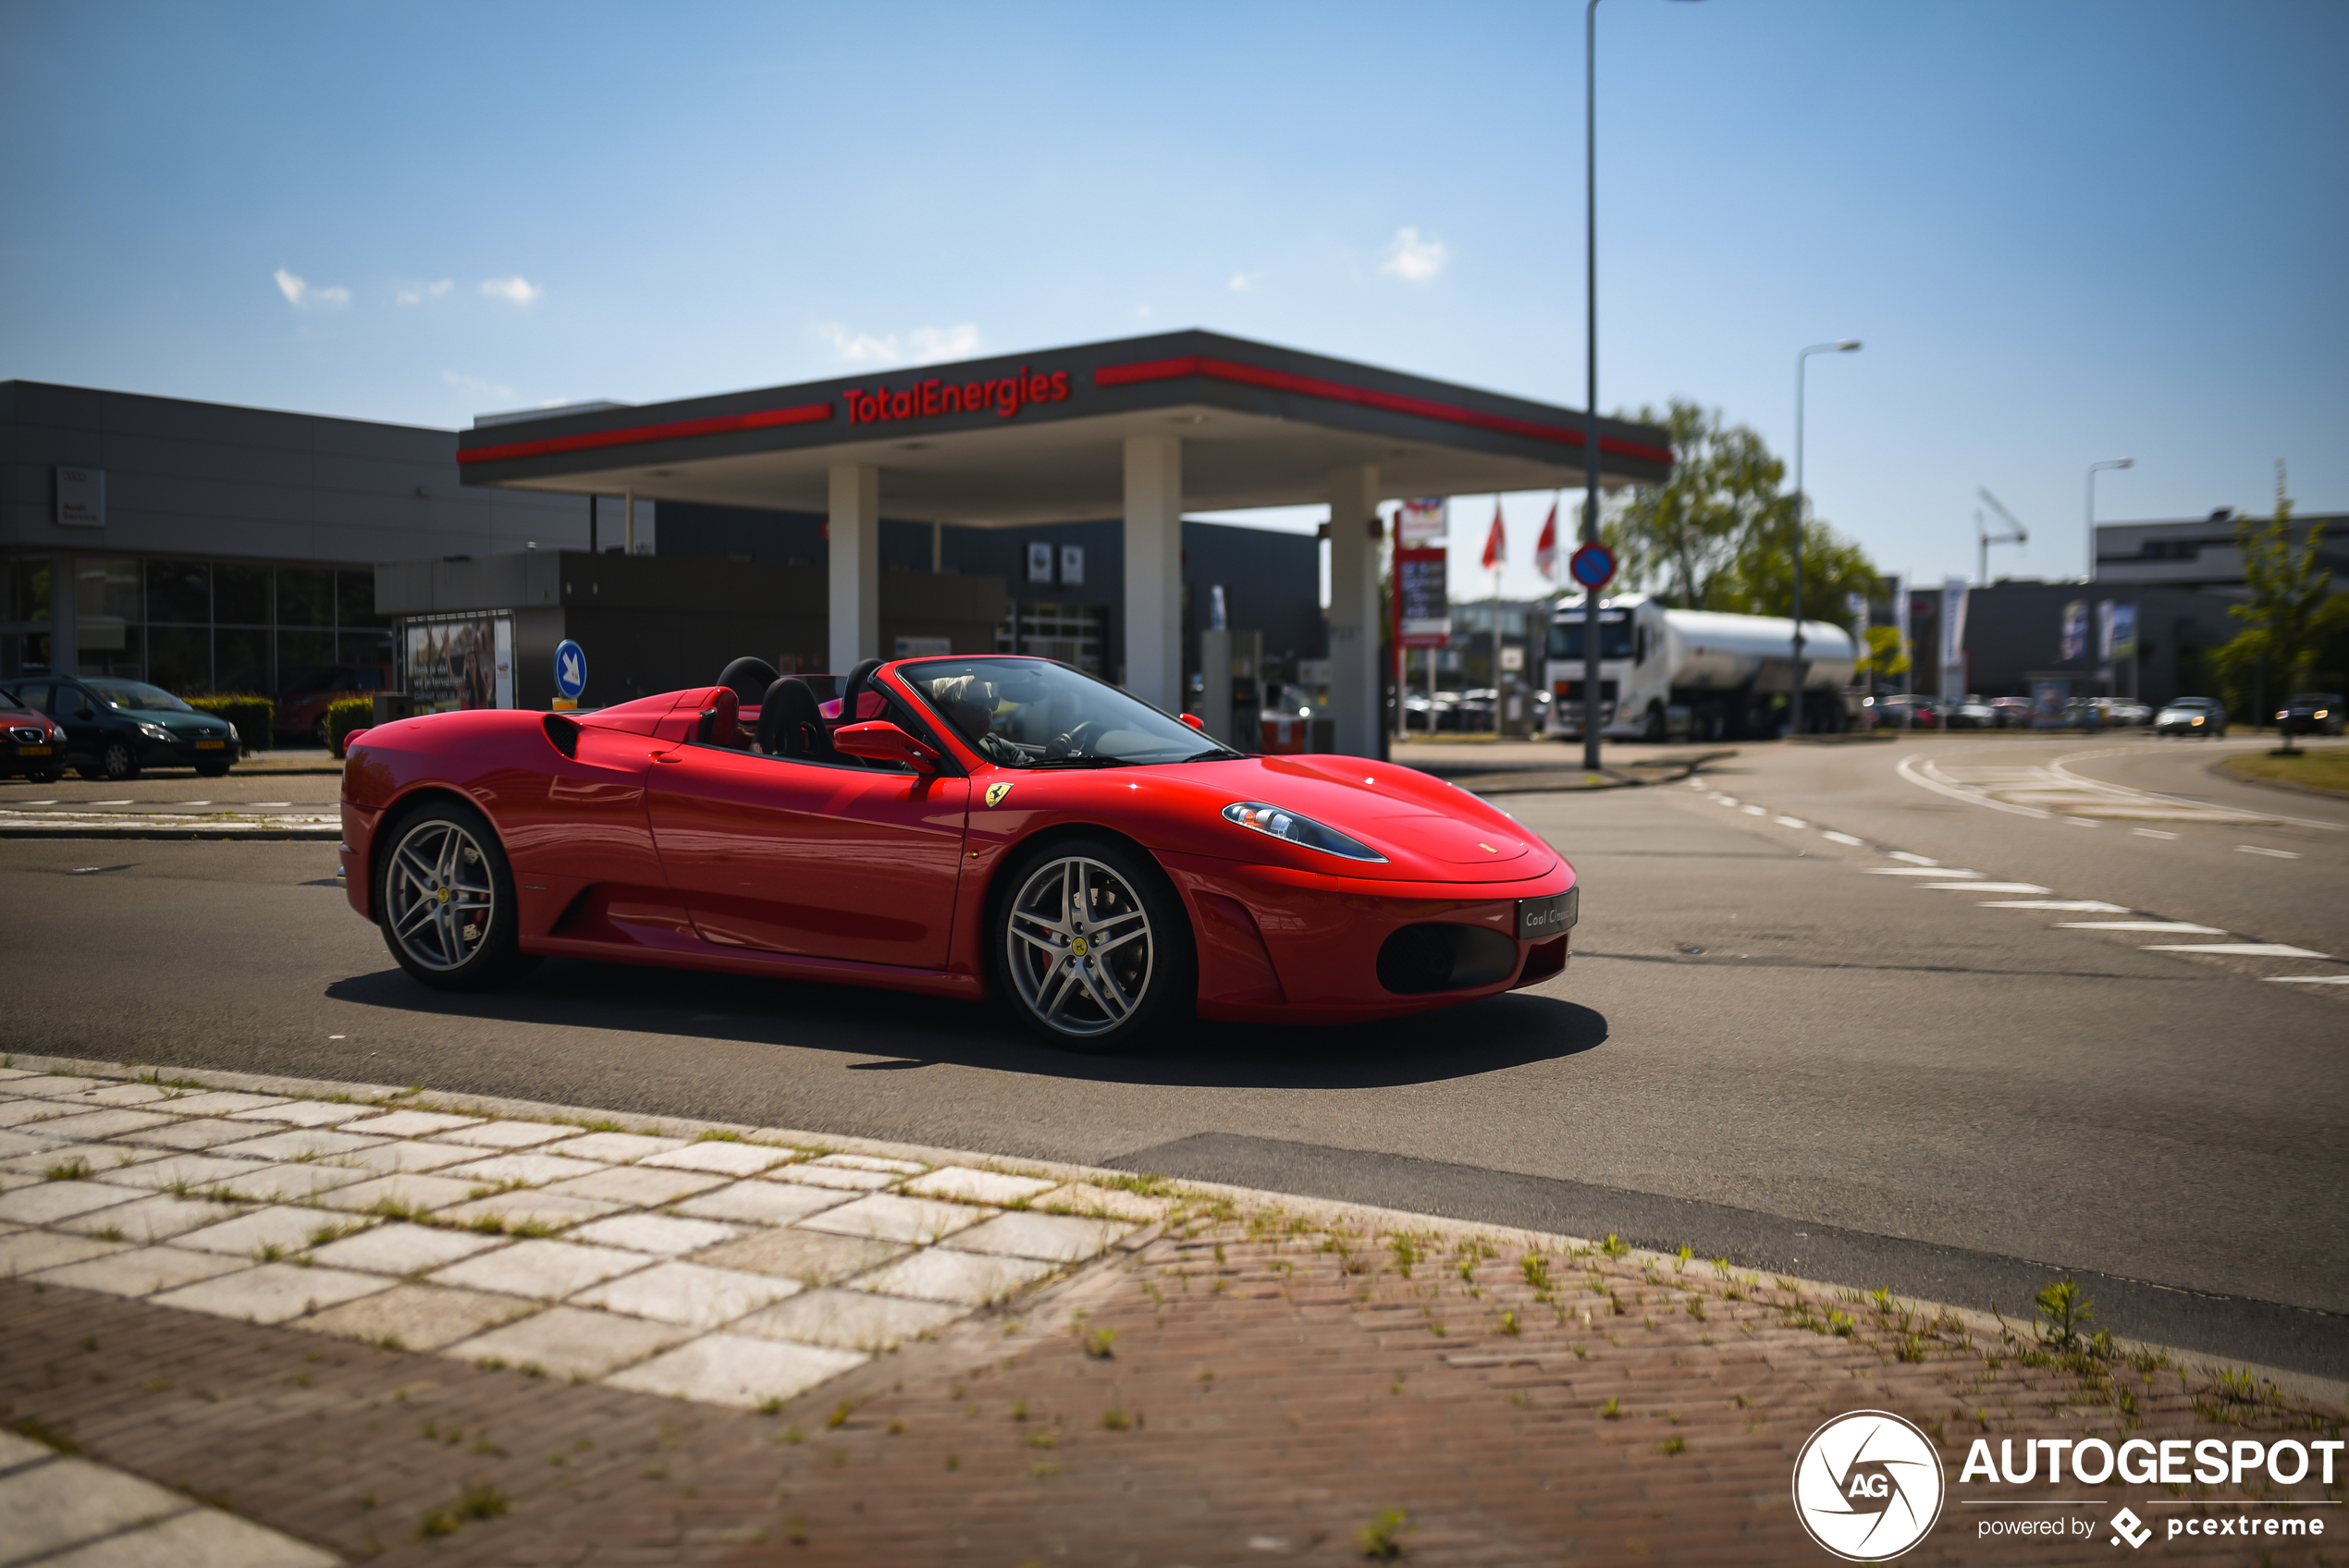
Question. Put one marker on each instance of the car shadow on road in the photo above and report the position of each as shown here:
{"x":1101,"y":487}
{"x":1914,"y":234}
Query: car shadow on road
{"x":907,"y":1033}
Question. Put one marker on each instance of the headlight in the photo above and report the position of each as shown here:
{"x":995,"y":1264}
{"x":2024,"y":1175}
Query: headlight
{"x":1274,"y":823}
{"x":156,"y":732}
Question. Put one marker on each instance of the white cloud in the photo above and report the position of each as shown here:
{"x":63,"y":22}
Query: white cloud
{"x":478,"y":389}
{"x":1143,"y":312}
{"x":516,"y":289}
{"x":1245,"y":282}
{"x":923,"y":345}
{"x":301,"y":296}
{"x":1413,"y":259}
{"x":417,"y":293}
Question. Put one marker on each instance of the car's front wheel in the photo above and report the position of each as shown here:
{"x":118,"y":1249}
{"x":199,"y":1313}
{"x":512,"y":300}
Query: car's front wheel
{"x":448,"y":900}
{"x":115,"y":764}
{"x":1091,"y":947}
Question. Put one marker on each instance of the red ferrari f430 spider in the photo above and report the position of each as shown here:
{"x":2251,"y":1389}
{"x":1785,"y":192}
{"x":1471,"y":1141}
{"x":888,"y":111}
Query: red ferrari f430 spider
{"x":962,"y":826}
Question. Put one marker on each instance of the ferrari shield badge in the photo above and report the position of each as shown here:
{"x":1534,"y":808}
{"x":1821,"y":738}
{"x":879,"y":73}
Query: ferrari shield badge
{"x":995,"y":794}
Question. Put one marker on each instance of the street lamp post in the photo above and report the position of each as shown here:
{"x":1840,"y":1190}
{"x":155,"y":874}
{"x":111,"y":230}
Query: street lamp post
{"x":1801,"y":503}
{"x":2094,"y":469}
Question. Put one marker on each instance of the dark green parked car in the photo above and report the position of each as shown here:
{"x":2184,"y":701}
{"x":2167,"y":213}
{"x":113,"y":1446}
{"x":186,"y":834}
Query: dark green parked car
{"x":115,"y":728}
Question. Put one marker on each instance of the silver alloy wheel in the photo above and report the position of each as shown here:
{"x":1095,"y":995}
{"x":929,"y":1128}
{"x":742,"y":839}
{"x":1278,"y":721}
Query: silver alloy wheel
{"x":1078,"y":944}
{"x":437,"y":895}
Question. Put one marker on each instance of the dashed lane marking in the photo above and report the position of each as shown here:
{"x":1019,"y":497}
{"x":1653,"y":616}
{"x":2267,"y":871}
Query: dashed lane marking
{"x":2078,"y":906}
{"x":2151,"y":833}
{"x":2172,"y":927}
{"x":1840,"y":838}
{"x":1919,"y":871}
{"x":2280,"y":854}
{"x":1912,"y":859}
{"x":2240,"y":950}
{"x":1988,"y":886}
{"x":1791,"y":822}
{"x":2308,"y":979}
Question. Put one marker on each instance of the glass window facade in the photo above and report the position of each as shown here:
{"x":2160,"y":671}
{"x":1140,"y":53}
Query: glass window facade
{"x":190,"y":625}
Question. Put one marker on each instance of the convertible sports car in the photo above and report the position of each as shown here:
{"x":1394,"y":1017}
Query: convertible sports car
{"x":962,"y":826}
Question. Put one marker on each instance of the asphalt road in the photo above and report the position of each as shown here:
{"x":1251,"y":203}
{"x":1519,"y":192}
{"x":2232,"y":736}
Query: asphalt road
{"x":1761,"y":1049}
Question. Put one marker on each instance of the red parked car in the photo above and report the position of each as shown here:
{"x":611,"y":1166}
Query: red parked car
{"x":962,"y":826}
{"x":303,"y":702}
{"x":36,"y":746}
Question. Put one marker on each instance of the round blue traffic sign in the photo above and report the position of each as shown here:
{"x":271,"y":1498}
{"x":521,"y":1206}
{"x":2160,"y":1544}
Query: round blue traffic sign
{"x":571,"y":669}
{"x":1592,"y":566}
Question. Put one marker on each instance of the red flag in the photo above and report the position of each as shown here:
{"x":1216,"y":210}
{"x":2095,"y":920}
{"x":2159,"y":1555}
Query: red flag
{"x":1496,"y":543}
{"x":1545,"y":554}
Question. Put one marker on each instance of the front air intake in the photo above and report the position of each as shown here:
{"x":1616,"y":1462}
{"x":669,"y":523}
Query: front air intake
{"x":1417,"y":959}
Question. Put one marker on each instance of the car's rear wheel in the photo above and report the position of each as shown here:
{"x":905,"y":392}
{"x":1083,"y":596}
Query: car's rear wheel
{"x":448,"y":900}
{"x":44,"y":774}
{"x":1091,"y":947}
{"x":212,"y":769}
{"x":115,"y":764}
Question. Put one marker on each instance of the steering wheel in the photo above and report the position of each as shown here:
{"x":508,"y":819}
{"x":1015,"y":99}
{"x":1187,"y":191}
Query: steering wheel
{"x":1073,"y":743}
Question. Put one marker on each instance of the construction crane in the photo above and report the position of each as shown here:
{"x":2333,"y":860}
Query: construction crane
{"x":2021,"y":535}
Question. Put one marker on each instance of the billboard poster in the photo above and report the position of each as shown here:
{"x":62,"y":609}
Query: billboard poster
{"x":461,"y":661}
{"x":1423,"y":606}
{"x":1423,"y":521}
{"x":2116,"y":631}
{"x":1953,"y":608}
{"x":2075,"y":632}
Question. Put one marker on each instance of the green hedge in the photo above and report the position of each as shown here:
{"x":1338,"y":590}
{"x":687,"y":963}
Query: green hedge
{"x":251,"y":717}
{"x":345,"y":715}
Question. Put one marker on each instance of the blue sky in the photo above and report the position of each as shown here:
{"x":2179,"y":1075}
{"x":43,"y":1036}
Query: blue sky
{"x":2065,"y":232}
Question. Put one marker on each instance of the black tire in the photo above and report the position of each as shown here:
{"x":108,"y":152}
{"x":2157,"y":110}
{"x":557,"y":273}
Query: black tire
{"x":1113,"y":1001}
{"x":1654,"y":732}
{"x":433,"y":866}
{"x":115,"y":764}
{"x":45,"y":775}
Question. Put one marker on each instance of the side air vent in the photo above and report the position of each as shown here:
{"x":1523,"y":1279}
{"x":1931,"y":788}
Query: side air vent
{"x":562,"y":734}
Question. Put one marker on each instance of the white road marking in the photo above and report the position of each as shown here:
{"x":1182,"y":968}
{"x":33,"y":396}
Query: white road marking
{"x":1726,"y":800}
{"x":36,"y":802}
{"x":2174,"y":927}
{"x":2241,"y":950}
{"x":2151,"y":833}
{"x":2083,"y":906}
{"x":1791,"y":822}
{"x":2083,"y":821}
{"x":1913,"y":858}
{"x":1753,"y":811}
{"x":2280,"y":854}
{"x":1838,"y":838}
{"x":105,"y":802}
{"x":1988,"y":886}
{"x":259,"y":805}
{"x":1919,"y":871}
{"x":183,"y":802}
{"x":2193,"y":810}
{"x":2308,"y":979}
{"x":2053,"y":791}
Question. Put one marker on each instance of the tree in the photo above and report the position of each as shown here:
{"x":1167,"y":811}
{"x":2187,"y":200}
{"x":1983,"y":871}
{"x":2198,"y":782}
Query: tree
{"x":1882,"y":656}
{"x":2287,"y":609}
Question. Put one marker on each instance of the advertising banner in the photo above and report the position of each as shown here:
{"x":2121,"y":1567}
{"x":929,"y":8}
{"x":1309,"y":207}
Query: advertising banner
{"x":1423,"y":612}
{"x":2116,"y":631}
{"x":463,"y":661}
{"x":1953,"y":607}
{"x":1423,"y":521}
{"x":2075,"y":632}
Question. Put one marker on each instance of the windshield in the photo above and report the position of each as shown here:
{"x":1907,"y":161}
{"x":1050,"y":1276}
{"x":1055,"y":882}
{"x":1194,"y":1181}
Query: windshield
{"x":137,"y":694}
{"x":1615,"y":637}
{"x":1037,"y":713}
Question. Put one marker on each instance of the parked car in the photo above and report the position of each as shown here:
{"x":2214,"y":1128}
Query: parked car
{"x":2205,"y":717}
{"x":114,"y":729}
{"x":1901,"y":711}
{"x":2122,"y":713}
{"x":303,"y":699}
{"x":2014,"y":713}
{"x":2310,"y":713}
{"x":1973,"y":713}
{"x":35,"y":748}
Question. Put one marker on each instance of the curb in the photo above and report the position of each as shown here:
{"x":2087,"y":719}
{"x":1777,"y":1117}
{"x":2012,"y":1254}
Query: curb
{"x":223,"y":831}
{"x":2325,"y":1391}
{"x":1522,"y":781}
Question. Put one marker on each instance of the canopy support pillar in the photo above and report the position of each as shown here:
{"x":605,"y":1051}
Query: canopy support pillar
{"x":855,"y":565}
{"x":1154,"y":570}
{"x":1355,"y":611}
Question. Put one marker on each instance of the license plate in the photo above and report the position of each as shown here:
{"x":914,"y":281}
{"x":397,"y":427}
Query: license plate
{"x":211,"y":745}
{"x":33,"y":751}
{"x":1538,"y":920}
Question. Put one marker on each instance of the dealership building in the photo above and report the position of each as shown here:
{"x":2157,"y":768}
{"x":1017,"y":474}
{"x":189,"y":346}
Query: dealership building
{"x":1025,"y":503}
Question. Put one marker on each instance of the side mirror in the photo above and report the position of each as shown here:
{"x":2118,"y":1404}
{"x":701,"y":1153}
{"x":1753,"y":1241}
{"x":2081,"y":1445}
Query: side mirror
{"x":883,"y":742}
{"x":1193,"y":720}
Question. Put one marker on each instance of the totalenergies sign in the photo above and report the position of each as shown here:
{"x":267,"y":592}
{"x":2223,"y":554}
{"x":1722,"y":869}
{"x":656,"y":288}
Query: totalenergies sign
{"x":1004,"y":394}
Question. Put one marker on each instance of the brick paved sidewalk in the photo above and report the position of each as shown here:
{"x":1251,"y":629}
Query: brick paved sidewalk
{"x":1257,"y":1380}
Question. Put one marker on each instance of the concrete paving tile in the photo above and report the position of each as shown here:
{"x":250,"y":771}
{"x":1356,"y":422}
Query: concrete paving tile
{"x":661,"y":1233}
{"x":965,"y":1279}
{"x":400,"y":1248}
{"x":53,"y":1201}
{"x":1114,"y":1203}
{"x":689,"y":1294}
{"x":284,"y":1183}
{"x":975,"y":1186}
{"x":151,"y":1217}
{"x":20,"y":1113}
{"x":297,"y":1113}
{"x":762,"y":1202}
{"x":202,"y":1537}
{"x":221,"y":1102}
{"x":198,"y":1170}
{"x":314,"y":1142}
{"x":69,"y":1500}
{"x":96,"y":1124}
{"x":555,"y":1211}
{"x":273,"y":1292}
{"x":535,"y":1168}
{"x":872,"y":1162}
{"x":1058,"y":1238}
{"x":505,"y":1134}
{"x":616,"y":1148}
{"x":639,"y":1184}
{"x":58,"y":1085}
{"x":14,"y":1142}
{"x":412,"y":1123}
{"x":28,"y":1252}
{"x":724,"y":1158}
{"x":413,"y":1193}
{"x":417,"y":1317}
{"x":64,"y":1151}
{"x":569,"y":1342}
{"x":122,"y":1093}
{"x":16,"y":1450}
{"x":809,"y":1256}
{"x":202,"y":1133}
{"x":391,"y":1158}
{"x":836,"y":1177}
{"x":289,"y":1230}
{"x":847,"y":1319}
{"x":731,"y":1369}
{"x":886,"y":1218}
{"x":142,"y":1272}
{"x":542,"y":1270}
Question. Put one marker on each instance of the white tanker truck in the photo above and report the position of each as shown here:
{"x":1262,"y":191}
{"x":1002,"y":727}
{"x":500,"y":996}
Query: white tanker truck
{"x":1666,"y":674}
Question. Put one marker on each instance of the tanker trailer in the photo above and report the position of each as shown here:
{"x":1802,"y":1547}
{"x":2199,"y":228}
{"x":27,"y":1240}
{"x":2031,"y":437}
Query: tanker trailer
{"x":1667,"y":673}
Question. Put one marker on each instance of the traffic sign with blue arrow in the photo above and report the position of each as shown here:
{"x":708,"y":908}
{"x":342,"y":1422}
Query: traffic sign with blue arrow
{"x":571,"y":669}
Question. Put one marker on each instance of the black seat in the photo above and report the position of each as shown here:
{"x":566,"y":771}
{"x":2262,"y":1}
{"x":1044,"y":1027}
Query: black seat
{"x":749,"y":677}
{"x":791,"y":725}
{"x":860,"y":680}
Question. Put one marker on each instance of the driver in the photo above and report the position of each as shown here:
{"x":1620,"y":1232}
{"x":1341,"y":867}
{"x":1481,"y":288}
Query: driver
{"x":968,"y":703}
